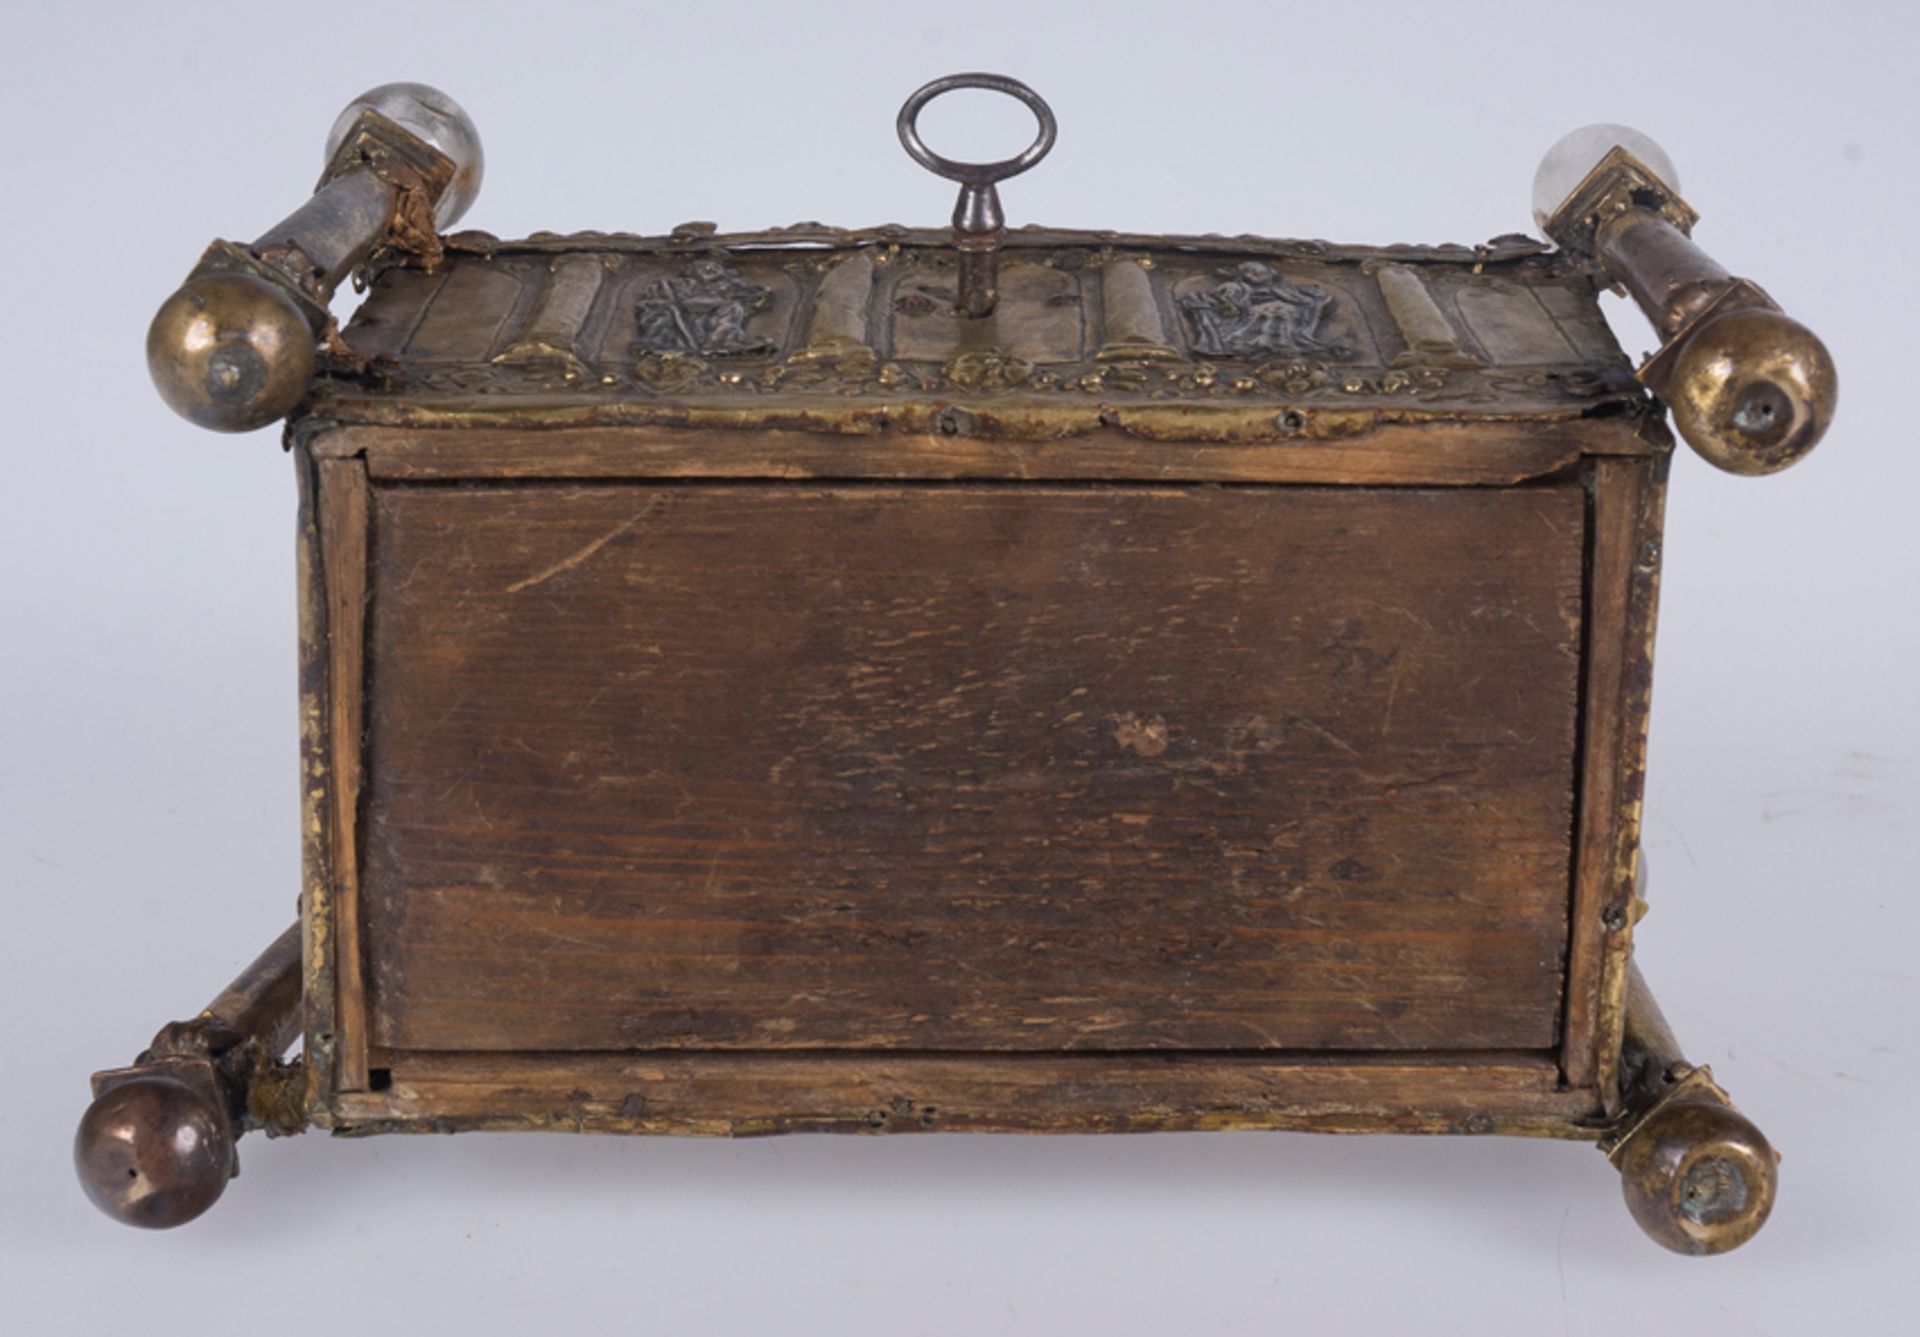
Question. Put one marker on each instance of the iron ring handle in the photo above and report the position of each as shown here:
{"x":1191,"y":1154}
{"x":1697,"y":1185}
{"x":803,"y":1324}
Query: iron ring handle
{"x":976,"y":174}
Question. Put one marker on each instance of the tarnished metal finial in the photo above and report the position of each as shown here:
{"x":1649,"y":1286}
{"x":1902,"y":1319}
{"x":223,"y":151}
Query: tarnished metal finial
{"x":979,"y":225}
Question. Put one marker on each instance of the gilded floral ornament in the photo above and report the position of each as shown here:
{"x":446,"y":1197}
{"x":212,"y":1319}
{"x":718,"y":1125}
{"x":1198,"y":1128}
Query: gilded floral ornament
{"x":987,"y":371}
{"x":849,"y":368}
{"x":670,"y":373}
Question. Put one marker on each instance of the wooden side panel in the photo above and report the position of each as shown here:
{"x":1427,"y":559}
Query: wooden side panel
{"x":970,"y":768}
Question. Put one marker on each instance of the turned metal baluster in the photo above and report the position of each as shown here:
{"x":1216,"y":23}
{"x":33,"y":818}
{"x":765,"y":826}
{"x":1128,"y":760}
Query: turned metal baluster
{"x":156,"y":1146}
{"x":1698,"y":1176}
{"x":235,"y":347}
{"x":1751,"y":389}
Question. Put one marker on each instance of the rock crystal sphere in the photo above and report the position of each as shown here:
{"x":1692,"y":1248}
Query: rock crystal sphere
{"x":435,"y":118}
{"x":1579,"y":152}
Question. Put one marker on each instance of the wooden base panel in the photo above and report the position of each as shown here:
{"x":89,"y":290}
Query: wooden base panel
{"x":736,"y":1094}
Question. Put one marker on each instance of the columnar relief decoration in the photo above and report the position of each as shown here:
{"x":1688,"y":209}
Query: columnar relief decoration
{"x":752,"y":325}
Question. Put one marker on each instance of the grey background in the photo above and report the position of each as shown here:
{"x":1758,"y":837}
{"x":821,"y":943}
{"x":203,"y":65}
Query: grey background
{"x":147,"y":724}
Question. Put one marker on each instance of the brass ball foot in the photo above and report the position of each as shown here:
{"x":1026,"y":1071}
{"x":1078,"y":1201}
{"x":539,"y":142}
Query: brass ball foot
{"x":154,"y":1150}
{"x":1753,"y":391}
{"x":231,"y":352}
{"x":1698,"y":1176}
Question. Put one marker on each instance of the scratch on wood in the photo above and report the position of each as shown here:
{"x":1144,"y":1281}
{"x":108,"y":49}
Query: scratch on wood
{"x":1327,"y":735}
{"x":569,"y":563}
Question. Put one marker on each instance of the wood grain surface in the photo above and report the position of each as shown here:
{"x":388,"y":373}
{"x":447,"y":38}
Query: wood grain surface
{"x":736,"y":1093}
{"x":343,"y":547}
{"x":960,"y":767}
{"x":1367,"y":453}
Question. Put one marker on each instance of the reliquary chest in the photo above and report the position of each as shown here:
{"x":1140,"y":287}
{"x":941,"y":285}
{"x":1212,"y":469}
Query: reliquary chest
{"x":971,"y":678}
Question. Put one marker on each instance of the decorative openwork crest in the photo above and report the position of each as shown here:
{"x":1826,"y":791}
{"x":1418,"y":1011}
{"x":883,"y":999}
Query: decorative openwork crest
{"x":704,"y":311}
{"x":1253,"y":312}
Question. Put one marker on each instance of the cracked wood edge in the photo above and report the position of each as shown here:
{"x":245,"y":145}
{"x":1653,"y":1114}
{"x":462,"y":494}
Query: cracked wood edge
{"x":1623,"y":584}
{"x":316,"y":894}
